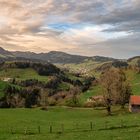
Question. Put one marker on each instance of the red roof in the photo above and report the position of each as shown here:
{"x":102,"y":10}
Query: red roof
{"x":135,"y":100}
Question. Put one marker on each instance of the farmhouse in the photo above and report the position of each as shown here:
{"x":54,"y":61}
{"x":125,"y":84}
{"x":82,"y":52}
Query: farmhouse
{"x":134,"y":104}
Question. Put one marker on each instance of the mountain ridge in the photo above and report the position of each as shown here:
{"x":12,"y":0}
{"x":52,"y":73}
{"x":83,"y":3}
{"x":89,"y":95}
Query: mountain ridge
{"x":61,"y":57}
{"x":54,"y":57}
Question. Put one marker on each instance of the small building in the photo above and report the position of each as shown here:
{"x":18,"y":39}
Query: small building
{"x":134,"y":103}
{"x":7,"y":79}
{"x":95,"y":99}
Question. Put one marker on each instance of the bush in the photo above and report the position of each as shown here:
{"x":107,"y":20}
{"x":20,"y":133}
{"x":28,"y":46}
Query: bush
{"x":73,"y":101}
{"x":52,"y":101}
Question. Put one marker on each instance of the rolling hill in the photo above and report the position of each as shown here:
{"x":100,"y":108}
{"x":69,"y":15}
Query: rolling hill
{"x":61,"y":57}
{"x":56,"y":57}
{"x":52,"y":57}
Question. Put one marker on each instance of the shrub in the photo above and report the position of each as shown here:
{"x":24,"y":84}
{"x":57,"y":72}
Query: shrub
{"x":73,"y":101}
{"x":52,"y":101}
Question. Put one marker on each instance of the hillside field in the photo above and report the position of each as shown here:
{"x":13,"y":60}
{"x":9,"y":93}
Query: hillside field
{"x":133,"y":78}
{"x":21,"y":74}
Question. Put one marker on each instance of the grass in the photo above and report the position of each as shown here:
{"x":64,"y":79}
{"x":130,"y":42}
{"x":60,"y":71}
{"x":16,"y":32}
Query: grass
{"x":96,"y":90}
{"x":22,"y":74}
{"x":132,"y":76}
{"x":76,"y":124}
{"x":87,"y":67}
{"x":2,"y":87}
{"x":134,"y":79}
{"x":64,"y":86}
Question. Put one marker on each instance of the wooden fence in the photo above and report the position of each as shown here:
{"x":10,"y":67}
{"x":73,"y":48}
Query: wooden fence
{"x":60,"y":128}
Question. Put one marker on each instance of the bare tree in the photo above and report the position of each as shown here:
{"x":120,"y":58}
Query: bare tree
{"x":122,"y":88}
{"x":138,"y":65}
{"x":107,"y":86}
{"x":116,"y":88}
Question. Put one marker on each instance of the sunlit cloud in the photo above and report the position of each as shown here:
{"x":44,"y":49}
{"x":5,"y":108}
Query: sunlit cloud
{"x":100,"y":27}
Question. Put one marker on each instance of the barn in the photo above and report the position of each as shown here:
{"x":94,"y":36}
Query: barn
{"x":134,"y":103}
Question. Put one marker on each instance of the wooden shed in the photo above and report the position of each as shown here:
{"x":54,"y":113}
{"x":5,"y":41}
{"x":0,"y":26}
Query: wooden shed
{"x":134,"y":103}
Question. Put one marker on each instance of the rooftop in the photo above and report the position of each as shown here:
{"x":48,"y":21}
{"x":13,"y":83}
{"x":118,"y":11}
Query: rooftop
{"x":135,"y":100}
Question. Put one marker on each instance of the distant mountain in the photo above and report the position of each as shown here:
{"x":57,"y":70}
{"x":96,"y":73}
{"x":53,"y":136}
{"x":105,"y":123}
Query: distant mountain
{"x":5,"y":53}
{"x":52,"y":57}
{"x":9,"y":56}
{"x":61,"y":57}
{"x":103,"y":59}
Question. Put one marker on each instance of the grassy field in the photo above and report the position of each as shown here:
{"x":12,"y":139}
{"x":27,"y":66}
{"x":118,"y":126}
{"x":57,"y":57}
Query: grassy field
{"x":134,"y":79}
{"x":68,"y":124}
{"x":96,"y":90}
{"x":87,"y":67}
{"x":22,"y":74}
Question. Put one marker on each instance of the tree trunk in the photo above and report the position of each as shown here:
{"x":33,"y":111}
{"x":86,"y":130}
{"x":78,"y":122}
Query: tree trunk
{"x":122,"y":106}
{"x":109,"y":110}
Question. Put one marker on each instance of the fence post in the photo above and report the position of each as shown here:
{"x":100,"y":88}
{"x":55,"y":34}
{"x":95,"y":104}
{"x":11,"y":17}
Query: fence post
{"x":122,"y":123}
{"x":62,"y":127}
{"x":39,"y":130}
{"x":11,"y":130}
{"x":91,"y":125}
{"x":25,"y":131}
{"x":106,"y":124}
{"x":77,"y":126}
{"x":50,"y":128}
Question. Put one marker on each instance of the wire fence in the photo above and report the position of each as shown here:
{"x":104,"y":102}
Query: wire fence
{"x":60,"y":128}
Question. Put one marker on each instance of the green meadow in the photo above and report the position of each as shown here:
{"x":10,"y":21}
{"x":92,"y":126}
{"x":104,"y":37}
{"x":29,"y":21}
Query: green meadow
{"x":68,"y":124}
{"x":21,"y":74}
{"x":134,"y":79}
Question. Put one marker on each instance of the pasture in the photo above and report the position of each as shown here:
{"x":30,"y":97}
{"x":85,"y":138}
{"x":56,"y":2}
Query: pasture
{"x":63,"y":123}
{"x":22,"y":74}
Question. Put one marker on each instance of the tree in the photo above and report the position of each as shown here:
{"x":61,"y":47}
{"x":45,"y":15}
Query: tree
{"x":44,"y":99}
{"x":116,"y":88}
{"x":122,"y":88}
{"x":32,"y":97}
{"x":74,"y":99}
{"x":107,"y":85}
{"x":138,"y":65}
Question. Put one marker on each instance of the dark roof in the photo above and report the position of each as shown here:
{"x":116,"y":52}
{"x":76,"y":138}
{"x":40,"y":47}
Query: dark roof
{"x":135,"y":100}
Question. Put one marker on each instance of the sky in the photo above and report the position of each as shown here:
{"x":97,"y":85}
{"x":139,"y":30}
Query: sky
{"x":86,"y":27}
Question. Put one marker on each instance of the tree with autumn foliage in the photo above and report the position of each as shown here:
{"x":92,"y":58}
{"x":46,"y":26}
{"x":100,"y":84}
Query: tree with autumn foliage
{"x":116,"y":88}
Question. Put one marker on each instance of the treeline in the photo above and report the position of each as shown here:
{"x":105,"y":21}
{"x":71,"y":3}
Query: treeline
{"x":32,"y":92}
{"x":19,"y":97}
{"x":44,"y":69}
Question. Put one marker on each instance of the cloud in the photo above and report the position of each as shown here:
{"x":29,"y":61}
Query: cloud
{"x":86,"y":27}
